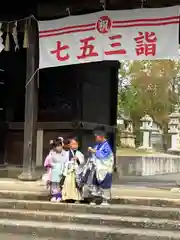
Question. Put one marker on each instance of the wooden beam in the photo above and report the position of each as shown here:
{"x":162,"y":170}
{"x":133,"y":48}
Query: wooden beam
{"x":55,"y":125}
{"x":31,"y":103}
{"x":89,"y":126}
{"x":53,"y":10}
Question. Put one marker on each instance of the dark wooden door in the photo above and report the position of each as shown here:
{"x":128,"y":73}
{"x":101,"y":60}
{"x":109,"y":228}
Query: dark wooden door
{"x":14,"y":148}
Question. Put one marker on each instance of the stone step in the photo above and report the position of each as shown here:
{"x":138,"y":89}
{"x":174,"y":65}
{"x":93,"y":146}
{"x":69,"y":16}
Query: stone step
{"x":43,"y":196}
{"x":13,"y":236}
{"x":26,"y":195}
{"x":118,"y":210}
{"x":80,"y":231}
{"x":91,"y":219}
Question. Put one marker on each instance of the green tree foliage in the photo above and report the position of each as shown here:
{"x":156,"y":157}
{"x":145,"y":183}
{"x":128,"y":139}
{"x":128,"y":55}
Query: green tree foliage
{"x":148,"y":87}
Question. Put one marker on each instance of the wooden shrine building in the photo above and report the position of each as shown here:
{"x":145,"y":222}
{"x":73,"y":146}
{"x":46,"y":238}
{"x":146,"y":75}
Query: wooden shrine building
{"x":62,"y":101}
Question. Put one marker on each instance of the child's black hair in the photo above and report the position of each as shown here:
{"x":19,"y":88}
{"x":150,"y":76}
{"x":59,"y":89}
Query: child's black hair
{"x":99,"y":130}
{"x":66,"y":144}
{"x":55,"y":143}
{"x":73,"y":139}
{"x":66,"y":141}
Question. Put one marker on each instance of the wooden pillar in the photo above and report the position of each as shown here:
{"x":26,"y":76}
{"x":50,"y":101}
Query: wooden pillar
{"x":114,"y":101}
{"x":39,"y":148}
{"x":79,"y":111}
{"x":31,"y":104}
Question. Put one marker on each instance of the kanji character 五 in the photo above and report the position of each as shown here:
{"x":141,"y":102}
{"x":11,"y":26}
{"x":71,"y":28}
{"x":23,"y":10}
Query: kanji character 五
{"x":60,"y":48}
{"x":146,"y":43}
{"x":116,"y":46}
{"x":87,"y":48}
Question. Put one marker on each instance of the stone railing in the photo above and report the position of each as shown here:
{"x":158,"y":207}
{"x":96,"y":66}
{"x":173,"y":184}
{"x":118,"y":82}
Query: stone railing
{"x":147,"y":165}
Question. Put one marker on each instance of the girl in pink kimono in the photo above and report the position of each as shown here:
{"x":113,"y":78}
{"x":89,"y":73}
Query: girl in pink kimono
{"x":47,"y":163}
{"x":55,"y":165}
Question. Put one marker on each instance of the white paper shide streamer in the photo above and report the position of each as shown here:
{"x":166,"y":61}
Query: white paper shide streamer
{"x":1,"y":40}
{"x":15,"y":38}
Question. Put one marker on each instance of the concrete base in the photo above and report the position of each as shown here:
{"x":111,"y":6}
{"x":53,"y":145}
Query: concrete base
{"x":174,"y":151}
{"x":175,"y":190}
{"x":127,"y":140}
{"x":12,"y":171}
{"x":29,"y":176}
{"x":147,"y":149}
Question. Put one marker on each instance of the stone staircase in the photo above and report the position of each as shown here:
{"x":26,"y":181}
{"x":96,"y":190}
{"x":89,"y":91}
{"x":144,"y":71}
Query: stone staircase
{"x":155,"y":219}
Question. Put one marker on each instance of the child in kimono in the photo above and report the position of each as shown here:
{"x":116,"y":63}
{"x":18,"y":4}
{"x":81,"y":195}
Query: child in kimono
{"x":61,"y":139}
{"x":56,"y":162}
{"x":66,"y":145}
{"x":103,"y":160}
{"x":47,"y":164}
{"x":72,"y":189}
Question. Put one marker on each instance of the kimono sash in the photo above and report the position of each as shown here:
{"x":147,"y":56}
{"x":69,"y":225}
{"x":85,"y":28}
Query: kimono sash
{"x":69,"y":190}
{"x":72,"y":179}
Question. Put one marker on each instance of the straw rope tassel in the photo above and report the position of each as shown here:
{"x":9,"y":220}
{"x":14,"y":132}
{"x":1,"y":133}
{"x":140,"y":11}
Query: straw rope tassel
{"x":25,"y":42}
{"x":7,"y":41}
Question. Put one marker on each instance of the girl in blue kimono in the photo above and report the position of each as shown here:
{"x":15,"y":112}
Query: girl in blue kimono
{"x":56,"y":161}
{"x":103,"y":160}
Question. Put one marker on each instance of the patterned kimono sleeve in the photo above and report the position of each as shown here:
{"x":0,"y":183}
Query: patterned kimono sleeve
{"x":80,"y":157}
{"x":66,"y":163}
{"x":48,"y":161}
{"x":104,"y":151}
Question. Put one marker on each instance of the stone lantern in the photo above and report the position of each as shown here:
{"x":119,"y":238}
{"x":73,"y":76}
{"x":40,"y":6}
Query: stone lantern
{"x":146,"y":129}
{"x":174,"y":130}
{"x":127,"y":137}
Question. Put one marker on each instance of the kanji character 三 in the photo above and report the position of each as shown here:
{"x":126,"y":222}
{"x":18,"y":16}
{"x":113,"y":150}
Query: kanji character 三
{"x":116,"y":45}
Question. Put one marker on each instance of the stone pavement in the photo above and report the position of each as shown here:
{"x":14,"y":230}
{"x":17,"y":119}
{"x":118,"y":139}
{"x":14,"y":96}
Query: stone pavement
{"x":118,"y":191}
{"x":12,"y":236}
